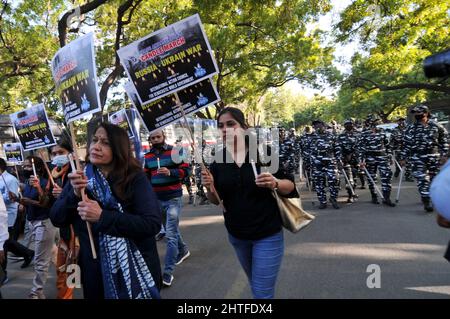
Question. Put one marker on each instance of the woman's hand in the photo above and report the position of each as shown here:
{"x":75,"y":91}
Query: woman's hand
{"x":56,"y":191}
{"x":266,"y":180}
{"x":207,"y":179}
{"x":13,"y":197}
{"x":34,"y":182}
{"x":78,"y":181}
{"x":89,"y":210}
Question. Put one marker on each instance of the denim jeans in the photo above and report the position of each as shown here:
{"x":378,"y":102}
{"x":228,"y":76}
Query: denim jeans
{"x":261,"y":260}
{"x":175,"y":244}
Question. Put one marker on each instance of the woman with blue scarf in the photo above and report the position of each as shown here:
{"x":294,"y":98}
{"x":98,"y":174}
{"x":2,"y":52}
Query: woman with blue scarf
{"x":124,"y":215}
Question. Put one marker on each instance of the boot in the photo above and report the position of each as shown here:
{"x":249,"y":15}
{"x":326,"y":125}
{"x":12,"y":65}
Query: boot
{"x":374,"y":198}
{"x":334,"y":203}
{"x":323,"y":205}
{"x":350,"y":196}
{"x":427,"y":204}
{"x":387,"y":199}
{"x":363,"y":183}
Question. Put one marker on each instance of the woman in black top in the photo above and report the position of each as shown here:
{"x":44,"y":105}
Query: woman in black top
{"x":252,"y":217}
{"x":125,"y":217}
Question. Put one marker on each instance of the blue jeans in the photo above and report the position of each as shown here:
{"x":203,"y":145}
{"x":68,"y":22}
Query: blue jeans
{"x":261,"y":260}
{"x":175,"y":244}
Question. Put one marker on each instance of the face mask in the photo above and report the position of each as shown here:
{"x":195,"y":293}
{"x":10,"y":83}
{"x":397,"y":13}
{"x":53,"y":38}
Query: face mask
{"x":27,"y":174}
{"x":60,"y":160}
{"x":419,"y":116}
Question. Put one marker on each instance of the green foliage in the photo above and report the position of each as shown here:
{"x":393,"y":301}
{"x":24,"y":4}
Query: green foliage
{"x":258,"y":44}
{"x":396,"y":36}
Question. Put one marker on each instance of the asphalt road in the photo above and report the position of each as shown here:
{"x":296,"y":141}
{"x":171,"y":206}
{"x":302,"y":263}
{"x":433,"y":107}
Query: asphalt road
{"x":328,"y":259}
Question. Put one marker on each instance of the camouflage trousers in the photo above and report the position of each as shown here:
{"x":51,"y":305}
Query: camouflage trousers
{"x":424,"y":169}
{"x":351,"y":170}
{"x":408,"y":168}
{"x":322,"y":171}
{"x":382,"y":165}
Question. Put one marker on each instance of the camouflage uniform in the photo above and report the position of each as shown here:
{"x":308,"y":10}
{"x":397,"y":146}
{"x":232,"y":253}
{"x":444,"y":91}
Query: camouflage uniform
{"x":305,"y":141}
{"x":290,"y":153}
{"x":374,"y":149}
{"x":424,"y":145}
{"x":346,"y":141}
{"x":207,"y":154}
{"x":324,"y":153}
{"x":397,"y":145}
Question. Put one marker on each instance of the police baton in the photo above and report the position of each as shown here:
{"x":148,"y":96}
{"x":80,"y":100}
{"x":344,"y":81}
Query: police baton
{"x":402,"y":172}
{"x":301,"y":168}
{"x":346,"y":178}
{"x":373,"y":182}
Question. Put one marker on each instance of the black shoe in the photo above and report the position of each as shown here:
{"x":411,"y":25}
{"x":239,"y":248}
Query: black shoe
{"x":409,"y":179}
{"x":427,"y":205}
{"x":27,"y":260}
{"x":191,"y":200}
{"x":387,"y":200}
{"x":363,"y":187}
{"x":334,"y":203}
{"x":350,"y":199}
{"x":323,"y":205}
{"x":375,"y":199}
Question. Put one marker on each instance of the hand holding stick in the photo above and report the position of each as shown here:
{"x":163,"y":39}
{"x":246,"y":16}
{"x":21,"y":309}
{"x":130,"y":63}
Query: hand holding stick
{"x":84,"y":198}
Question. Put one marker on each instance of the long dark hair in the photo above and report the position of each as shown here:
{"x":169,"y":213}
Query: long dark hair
{"x":236,"y":114}
{"x":124,"y":165}
{"x":39,"y":165}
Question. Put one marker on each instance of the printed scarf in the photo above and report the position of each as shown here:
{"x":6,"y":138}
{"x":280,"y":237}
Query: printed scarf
{"x":125,"y":273}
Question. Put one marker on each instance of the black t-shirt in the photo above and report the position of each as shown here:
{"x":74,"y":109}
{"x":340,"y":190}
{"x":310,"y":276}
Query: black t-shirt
{"x":251,"y":212}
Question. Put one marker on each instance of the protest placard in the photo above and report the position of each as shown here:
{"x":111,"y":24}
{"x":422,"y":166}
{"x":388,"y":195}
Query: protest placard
{"x":32,"y":128}
{"x":169,"y":60}
{"x":75,"y":76}
{"x":165,"y":111}
{"x":13,"y":152}
{"x":120,"y":118}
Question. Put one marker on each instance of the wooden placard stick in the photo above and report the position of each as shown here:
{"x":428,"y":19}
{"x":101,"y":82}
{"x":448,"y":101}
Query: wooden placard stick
{"x":52,"y":181}
{"x":83,"y":194}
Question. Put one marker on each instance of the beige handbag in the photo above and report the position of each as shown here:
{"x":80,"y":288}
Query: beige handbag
{"x":293,"y":217}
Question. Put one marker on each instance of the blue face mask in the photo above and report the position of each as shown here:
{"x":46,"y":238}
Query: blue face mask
{"x":60,"y":160}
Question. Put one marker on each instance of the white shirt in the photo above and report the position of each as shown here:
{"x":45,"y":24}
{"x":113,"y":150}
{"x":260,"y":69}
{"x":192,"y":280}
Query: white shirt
{"x":440,"y":190}
{"x":12,"y":184}
{"x":3,"y":223}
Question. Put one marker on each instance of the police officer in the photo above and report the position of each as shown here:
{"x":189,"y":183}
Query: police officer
{"x":374,"y":154}
{"x":324,"y":154}
{"x":426,"y":147}
{"x":305,"y":141}
{"x":397,"y":138}
{"x":346,"y":141}
{"x":290,"y":152}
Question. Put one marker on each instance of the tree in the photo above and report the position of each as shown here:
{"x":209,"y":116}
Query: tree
{"x":395,"y":37}
{"x":258,"y":44}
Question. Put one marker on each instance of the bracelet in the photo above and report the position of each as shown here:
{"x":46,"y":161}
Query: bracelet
{"x":276,"y":186}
